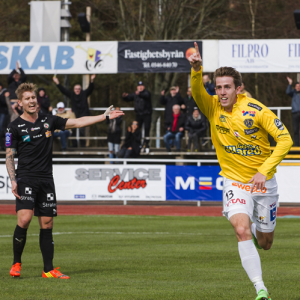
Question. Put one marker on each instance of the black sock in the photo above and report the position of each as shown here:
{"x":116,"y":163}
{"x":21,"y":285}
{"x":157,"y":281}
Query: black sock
{"x":47,"y":248}
{"x":19,"y":241}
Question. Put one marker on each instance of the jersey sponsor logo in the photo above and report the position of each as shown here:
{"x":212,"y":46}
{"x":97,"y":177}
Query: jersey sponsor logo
{"x":255,"y":106}
{"x":278,"y":124}
{"x":8,"y":129}
{"x":50,"y":197}
{"x":273,"y":213}
{"x":21,"y":125}
{"x":236,"y":133}
{"x":273,"y":204}
{"x":44,"y":120}
{"x":236,"y":201}
{"x":222,"y":130}
{"x":251,"y":131}
{"x":250,"y":113}
{"x":27,"y":198}
{"x":254,"y":137}
{"x":25,"y":130}
{"x":48,"y":133}
{"x":37,"y":136}
{"x":244,"y":150}
{"x":35,"y":128}
{"x":222,"y":119}
{"x":248,"y":123}
{"x":8,"y":139}
{"x":28,"y":190}
{"x":45,"y":204}
{"x":26,"y":138}
{"x":247,"y":188}
{"x":46,"y":125}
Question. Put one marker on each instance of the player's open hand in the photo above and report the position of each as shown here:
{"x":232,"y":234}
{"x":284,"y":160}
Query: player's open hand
{"x":258,"y":181}
{"x":195,"y":59}
{"x":14,"y":189}
{"x":115,"y":114}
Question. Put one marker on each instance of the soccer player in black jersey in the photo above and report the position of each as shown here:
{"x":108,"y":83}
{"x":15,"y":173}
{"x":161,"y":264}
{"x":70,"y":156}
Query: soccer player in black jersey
{"x":30,"y":136}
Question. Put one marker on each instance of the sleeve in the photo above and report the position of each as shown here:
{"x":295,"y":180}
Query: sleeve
{"x":204,"y":101}
{"x":90,"y":89}
{"x":129,"y":97}
{"x":23,"y":75}
{"x":66,"y":92}
{"x":145,"y":95}
{"x":59,"y":123}
{"x":10,"y":77}
{"x":179,"y":98}
{"x":163,"y":100}
{"x":289,"y":91}
{"x":11,"y":137}
{"x":270,"y":122}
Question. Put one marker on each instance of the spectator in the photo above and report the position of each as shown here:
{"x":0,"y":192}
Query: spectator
{"x":44,"y":102}
{"x":14,"y":79}
{"x":79,"y":102}
{"x":209,"y":85}
{"x":3,"y":114}
{"x":196,"y":127}
{"x":132,"y":143}
{"x":295,"y":94}
{"x":175,"y":128}
{"x":114,"y":136}
{"x":170,"y":100}
{"x":189,"y":103}
{"x":63,"y":134}
{"x":244,"y":91}
{"x":143,"y":110}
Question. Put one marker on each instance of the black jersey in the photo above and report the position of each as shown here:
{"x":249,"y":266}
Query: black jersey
{"x":33,"y":142}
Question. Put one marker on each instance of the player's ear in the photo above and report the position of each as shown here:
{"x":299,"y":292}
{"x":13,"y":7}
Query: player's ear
{"x":20,"y":102}
{"x":238,"y":89}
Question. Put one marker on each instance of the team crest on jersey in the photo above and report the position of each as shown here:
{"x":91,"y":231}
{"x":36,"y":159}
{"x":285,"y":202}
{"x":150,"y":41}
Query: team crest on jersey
{"x":46,"y":125}
{"x":48,"y":133}
{"x":222,"y":118}
{"x":250,"y":113}
{"x":248,"y":123}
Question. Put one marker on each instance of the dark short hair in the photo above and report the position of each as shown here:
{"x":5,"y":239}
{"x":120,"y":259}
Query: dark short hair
{"x":297,"y":82}
{"x":231,"y":72}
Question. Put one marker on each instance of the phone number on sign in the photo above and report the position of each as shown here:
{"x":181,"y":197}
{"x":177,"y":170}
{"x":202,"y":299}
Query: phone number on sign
{"x":160,"y":65}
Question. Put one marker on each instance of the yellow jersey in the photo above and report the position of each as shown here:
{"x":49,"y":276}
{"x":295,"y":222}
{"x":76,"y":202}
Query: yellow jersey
{"x":241,"y":136}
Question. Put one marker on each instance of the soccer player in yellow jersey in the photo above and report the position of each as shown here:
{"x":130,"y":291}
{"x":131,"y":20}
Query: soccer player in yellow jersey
{"x":239,"y":128}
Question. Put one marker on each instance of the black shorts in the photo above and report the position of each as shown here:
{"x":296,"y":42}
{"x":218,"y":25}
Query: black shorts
{"x":37,"y":194}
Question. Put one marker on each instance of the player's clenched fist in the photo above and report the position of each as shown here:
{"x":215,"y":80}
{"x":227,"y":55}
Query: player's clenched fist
{"x":195,"y":59}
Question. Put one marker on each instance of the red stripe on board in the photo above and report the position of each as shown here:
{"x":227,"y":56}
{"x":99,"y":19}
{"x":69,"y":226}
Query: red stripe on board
{"x":201,"y":187}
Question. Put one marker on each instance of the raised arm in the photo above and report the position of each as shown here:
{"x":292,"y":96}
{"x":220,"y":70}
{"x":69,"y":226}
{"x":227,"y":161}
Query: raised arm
{"x":64,"y":91}
{"x":87,"y":121}
{"x":10,"y":165}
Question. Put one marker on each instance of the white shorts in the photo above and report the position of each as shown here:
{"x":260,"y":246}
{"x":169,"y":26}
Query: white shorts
{"x":260,"y":206}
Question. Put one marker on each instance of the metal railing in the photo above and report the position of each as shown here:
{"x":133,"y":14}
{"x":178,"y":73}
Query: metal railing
{"x":158,"y":136}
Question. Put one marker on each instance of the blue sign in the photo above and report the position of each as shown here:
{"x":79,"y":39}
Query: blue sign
{"x":194,"y":183}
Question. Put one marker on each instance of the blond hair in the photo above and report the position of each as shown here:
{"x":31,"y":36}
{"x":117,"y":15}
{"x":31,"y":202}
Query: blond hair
{"x":25,"y":87}
{"x":231,"y":72}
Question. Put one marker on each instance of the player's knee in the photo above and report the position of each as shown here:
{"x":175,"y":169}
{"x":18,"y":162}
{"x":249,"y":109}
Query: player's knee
{"x":242,"y":233}
{"x":24,"y":222}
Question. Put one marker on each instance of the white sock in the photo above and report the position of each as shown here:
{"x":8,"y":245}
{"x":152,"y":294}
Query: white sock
{"x":253,"y":229}
{"x":251,"y":263}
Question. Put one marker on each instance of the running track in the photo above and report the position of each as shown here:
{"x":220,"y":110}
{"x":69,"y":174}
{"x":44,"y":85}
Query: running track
{"x":151,"y":210}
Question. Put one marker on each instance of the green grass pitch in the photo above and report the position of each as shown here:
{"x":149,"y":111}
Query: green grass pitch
{"x":148,"y":257}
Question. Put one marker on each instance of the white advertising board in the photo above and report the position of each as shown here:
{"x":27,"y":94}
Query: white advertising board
{"x":60,"y":58}
{"x":260,"y":56}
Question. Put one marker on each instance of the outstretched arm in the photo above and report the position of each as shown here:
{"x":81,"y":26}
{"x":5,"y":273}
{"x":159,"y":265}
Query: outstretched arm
{"x":10,"y":165}
{"x":87,"y":121}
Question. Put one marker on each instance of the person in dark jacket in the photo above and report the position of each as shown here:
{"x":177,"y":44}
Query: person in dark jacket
{"x":143,"y":109}
{"x":209,"y":85}
{"x":175,"y":128}
{"x":3,"y":114}
{"x":170,"y":100}
{"x":14,"y":79}
{"x":189,"y":103}
{"x":196,"y":127}
{"x":114,"y":136}
{"x":44,"y":102}
{"x":295,"y":94}
{"x":132,"y":143}
{"x":79,"y":103}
